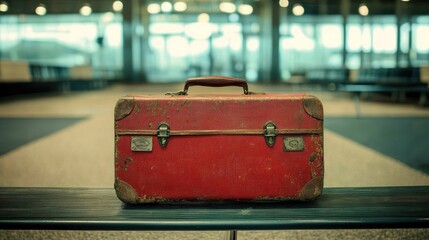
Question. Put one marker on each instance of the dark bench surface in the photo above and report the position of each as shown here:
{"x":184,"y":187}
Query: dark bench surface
{"x":99,"y":209}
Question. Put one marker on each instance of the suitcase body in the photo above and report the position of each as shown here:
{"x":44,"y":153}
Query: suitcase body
{"x":245,"y":147}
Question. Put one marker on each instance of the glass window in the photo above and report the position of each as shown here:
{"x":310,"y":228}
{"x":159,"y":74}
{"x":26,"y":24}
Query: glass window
{"x":64,"y":41}
{"x":371,"y":42}
{"x":310,"y":42}
{"x":181,"y":47}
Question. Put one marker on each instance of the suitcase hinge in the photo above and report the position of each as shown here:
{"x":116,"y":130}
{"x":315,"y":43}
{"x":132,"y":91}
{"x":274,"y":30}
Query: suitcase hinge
{"x":163,"y":134}
{"x":270,"y":133}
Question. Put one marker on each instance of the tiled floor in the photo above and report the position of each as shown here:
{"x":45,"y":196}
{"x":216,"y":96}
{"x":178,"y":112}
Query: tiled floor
{"x":81,"y":154}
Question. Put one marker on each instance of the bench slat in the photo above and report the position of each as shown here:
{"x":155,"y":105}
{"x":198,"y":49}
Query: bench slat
{"x":99,"y":209}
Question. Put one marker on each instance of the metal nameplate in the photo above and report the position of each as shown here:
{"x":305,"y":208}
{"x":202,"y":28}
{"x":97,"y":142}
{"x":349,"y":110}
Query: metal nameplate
{"x":141,"y":144}
{"x":293,"y":144}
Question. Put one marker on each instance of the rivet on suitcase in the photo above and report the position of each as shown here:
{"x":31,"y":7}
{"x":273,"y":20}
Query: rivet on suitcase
{"x":210,"y":147}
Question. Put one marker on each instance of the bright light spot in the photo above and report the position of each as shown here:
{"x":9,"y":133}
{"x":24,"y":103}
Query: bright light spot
{"x":297,"y":31}
{"x":284,"y":3}
{"x":180,"y":6}
{"x":113,"y":34}
{"x":166,"y":28}
{"x":366,"y":38}
{"x":354,"y":40}
{"x":85,"y":10}
{"x":234,"y":17}
{"x":363,"y":10}
{"x":41,"y":10}
{"x":331,"y":36}
{"x":359,"y":37}
{"x":253,"y":44}
{"x":422,"y":43}
{"x":107,"y":17}
{"x":298,"y":10}
{"x":405,"y":0}
{"x":200,"y":30}
{"x":298,"y":44}
{"x":203,"y":17}
{"x":227,"y":7}
{"x":220,"y":42}
{"x":298,"y":40}
{"x":166,"y":7}
{"x":199,"y":47}
{"x":384,"y":38}
{"x":177,"y":46}
{"x":117,"y":6}
{"x":156,"y":43}
{"x":3,"y":7}
{"x":153,"y":8}
{"x":245,"y":9}
{"x":235,"y":43}
{"x":231,"y":28}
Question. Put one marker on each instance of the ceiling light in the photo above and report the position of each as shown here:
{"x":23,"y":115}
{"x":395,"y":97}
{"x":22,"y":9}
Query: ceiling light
{"x":298,"y":10}
{"x":166,"y":7}
{"x":117,"y":6}
{"x":180,"y":6}
{"x":85,"y":10}
{"x":203,"y":17}
{"x":227,"y":7}
{"x":245,"y":9}
{"x":405,"y":0}
{"x":153,"y":8}
{"x":40,"y":10}
{"x":107,"y":17}
{"x":4,"y":7}
{"x":284,"y":3}
{"x":363,"y":10}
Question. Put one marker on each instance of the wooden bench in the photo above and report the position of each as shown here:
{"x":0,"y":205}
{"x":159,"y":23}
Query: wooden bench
{"x":99,"y":209}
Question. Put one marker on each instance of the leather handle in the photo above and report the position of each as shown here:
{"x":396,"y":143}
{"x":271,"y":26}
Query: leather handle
{"x":216,"y":81}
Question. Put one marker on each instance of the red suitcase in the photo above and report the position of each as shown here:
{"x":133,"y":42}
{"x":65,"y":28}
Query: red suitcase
{"x":246,"y":147}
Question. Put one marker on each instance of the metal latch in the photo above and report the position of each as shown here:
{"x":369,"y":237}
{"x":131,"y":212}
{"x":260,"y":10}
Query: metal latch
{"x":163,"y":133}
{"x":270,"y":133}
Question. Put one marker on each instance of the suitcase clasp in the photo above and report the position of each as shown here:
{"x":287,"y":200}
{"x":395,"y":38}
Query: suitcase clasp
{"x":270,"y":133}
{"x":163,"y":133}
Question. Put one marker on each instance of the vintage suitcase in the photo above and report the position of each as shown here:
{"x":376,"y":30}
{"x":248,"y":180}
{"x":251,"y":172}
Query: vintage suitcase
{"x":209,"y":147}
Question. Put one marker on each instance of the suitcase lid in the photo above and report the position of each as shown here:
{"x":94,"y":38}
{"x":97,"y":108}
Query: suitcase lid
{"x":179,"y":114}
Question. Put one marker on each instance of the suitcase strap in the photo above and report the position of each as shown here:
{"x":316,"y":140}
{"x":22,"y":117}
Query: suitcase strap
{"x":142,"y":139}
{"x":219,"y":132}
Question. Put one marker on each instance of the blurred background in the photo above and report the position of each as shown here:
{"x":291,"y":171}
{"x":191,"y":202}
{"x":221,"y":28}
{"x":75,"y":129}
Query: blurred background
{"x":261,"y":41}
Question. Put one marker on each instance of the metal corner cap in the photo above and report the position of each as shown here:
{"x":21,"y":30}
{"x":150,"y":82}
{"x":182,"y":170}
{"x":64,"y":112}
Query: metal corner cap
{"x":123,"y":108}
{"x":312,"y":189}
{"x":125,"y":192}
{"x":313,"y":106}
